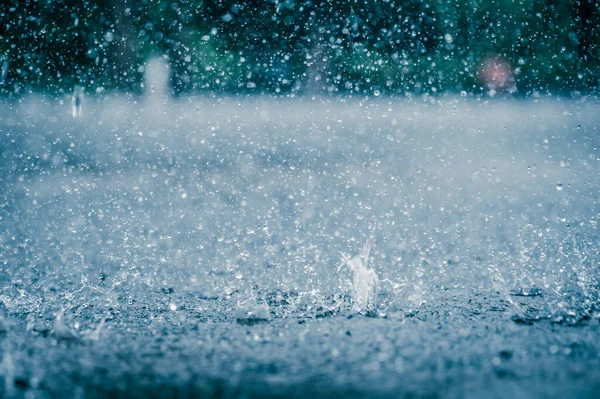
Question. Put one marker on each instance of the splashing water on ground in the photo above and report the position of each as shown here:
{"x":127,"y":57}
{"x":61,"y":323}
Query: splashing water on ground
{"x":206,"y":245}
{"x":252,"y":310}
{"x":364,"y":279}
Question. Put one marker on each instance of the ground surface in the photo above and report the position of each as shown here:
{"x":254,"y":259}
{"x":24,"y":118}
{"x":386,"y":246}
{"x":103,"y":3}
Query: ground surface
{"x":137,"y":239}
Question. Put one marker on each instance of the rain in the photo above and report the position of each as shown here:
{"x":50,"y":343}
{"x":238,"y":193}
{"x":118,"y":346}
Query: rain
{"x":284,"y":198}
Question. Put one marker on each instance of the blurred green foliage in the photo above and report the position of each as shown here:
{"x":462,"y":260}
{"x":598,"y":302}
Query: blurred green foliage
{"x":283,"y":46}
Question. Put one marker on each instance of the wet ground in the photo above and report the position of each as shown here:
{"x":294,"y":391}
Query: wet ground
{"x":193,"y":248}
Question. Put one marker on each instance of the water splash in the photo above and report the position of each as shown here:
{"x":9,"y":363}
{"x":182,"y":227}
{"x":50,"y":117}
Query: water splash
{"x":61,"y":330}
{"x":364,"y":279}
{"x":251,"y":310}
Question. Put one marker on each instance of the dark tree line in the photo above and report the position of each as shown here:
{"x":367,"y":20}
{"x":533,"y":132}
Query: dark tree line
{"x":282,"y":46}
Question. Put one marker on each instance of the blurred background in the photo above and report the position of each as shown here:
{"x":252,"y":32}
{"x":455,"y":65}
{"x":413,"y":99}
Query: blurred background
{"x":521,"y":47}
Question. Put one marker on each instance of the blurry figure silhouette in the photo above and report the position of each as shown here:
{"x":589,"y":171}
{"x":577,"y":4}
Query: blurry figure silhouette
{"x":77,"y":102}
{"x":496,"y":75}
{"x":3,"y":71}
{"x":157,"y":80}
